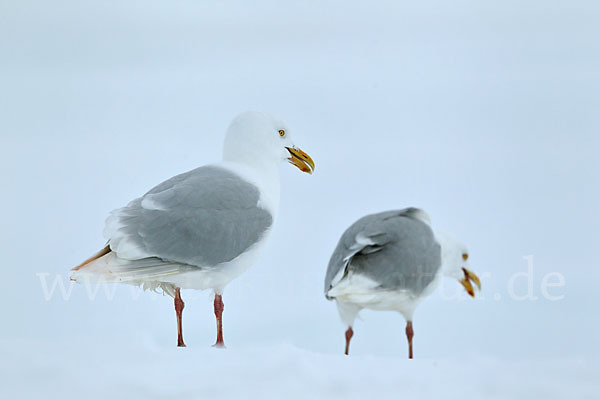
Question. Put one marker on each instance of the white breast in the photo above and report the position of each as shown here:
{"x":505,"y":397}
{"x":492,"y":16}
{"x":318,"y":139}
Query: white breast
{"x":356,"y":291}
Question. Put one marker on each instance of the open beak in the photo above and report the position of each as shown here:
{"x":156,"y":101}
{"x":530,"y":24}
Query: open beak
{"x":468,"y":281}
{"x":301,"y":160}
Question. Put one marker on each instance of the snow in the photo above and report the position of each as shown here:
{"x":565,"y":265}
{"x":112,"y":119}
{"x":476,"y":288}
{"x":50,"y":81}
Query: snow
{"x":278,"y":371}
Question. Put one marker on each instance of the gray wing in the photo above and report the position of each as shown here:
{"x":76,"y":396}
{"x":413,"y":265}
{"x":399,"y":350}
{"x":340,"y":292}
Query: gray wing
{"x":397,"y":249}
{"x":203,"y":217}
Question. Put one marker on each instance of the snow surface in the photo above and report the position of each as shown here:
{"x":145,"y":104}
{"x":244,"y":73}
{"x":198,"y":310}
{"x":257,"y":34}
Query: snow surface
{"x":280,"y":371}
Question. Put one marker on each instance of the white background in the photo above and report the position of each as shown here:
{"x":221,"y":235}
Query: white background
{"x":485,"y":114}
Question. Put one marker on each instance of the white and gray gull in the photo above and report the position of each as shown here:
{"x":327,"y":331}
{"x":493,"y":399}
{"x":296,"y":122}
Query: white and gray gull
{"x":392,"y":261}
{"x":203,"y":228}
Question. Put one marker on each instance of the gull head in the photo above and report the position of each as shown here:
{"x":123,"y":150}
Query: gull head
{"x":258,"y":138}
{"x":455,"y":262}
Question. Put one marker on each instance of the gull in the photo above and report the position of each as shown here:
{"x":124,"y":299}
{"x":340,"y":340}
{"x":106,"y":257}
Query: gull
{"x":205,"y":227}
{"x":392,"y":261}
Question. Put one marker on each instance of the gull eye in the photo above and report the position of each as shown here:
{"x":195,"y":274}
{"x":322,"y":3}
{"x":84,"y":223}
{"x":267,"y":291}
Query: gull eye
{"x":281,"y":133}
{"x":465,"y":256}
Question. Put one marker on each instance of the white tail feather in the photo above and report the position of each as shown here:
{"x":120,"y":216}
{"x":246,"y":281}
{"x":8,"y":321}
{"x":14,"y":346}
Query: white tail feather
{"x":147,"y":272}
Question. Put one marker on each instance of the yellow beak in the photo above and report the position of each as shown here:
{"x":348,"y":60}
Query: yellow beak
{"x":468,"y":281}
{"x":301,"y":160}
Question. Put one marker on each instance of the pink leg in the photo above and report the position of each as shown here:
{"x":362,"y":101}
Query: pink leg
{"x":349,"y":334}
{"x":409,"y":335}
{"x":179,"y":304}
{"x":219,"y":307}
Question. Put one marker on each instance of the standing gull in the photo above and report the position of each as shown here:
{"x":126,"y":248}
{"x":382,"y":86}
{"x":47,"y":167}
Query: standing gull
{"x":203,"y":228}
{"x":391,"y":261}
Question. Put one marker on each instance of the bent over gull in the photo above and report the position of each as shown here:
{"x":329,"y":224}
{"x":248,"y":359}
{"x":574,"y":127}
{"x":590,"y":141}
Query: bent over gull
{"x":391,"y":261}
{"x":203,"y":228}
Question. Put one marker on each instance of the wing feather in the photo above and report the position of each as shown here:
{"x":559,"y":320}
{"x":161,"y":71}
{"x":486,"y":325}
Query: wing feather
{"x":394,"y":248}
{"x":203,"y":218}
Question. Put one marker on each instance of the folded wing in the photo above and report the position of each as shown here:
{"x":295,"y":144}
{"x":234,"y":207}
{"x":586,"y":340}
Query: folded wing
{"x":199,"y":219}
{"x":392,"y":250}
